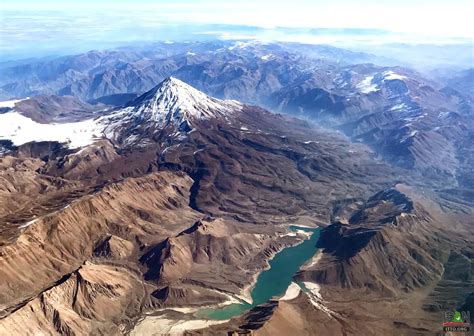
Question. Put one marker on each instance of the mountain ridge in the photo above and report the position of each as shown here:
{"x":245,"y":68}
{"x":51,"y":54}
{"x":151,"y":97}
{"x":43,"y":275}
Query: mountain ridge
{"x":184,"y":198}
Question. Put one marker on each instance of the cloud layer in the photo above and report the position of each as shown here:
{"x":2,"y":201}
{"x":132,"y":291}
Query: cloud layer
{"x":49,"y":26}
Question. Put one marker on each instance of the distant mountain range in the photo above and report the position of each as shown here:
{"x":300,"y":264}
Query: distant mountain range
{"x":100,"y":73}
{"x":405,"y":117}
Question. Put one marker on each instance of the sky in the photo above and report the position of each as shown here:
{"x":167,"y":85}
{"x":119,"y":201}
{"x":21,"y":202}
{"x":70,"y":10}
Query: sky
{"x":32,"y":28}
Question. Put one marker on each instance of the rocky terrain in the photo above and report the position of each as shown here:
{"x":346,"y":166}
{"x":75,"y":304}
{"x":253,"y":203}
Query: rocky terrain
{"x":401,"y":114}
{"x":175,"y":201}
{"x":391,"y":266}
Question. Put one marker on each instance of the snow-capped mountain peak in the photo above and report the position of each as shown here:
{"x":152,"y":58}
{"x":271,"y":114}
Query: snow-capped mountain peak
{"x":174,"y":100}
{"x":171,"y":103}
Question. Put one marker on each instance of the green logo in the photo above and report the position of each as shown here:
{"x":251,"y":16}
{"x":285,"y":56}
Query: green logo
{"x":457,"y":317}
{"x":456,"y":322}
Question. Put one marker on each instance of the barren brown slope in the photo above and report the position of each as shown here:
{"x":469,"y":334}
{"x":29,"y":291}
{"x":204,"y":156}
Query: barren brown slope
{"x":79,"y":270}
{"x":193,"y":209}
{"x":298,"y":170}
{"x":138,"y":210}
{"x":391,"y":265}
{"x":94,"y":300}
{"x":397,"y":264}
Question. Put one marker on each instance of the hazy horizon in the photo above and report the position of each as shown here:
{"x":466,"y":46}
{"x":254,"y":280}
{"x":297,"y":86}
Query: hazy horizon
{"x":32,"y":29}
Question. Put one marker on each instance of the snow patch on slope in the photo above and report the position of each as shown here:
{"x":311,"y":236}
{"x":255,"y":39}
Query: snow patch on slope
{"x":239,"y":45}
{"x":397,"y":107}
{"x":390,"y":75}
{"x":366,"y":85}
{"x":11,"y":103}
{"x":20,"y":130}
{"x":171,"y":103}
{"x":411,"y":135}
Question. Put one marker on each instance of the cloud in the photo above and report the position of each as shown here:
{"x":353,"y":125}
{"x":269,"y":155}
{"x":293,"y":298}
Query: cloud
{"x":86,"y":24}
{"x":435,"y":17}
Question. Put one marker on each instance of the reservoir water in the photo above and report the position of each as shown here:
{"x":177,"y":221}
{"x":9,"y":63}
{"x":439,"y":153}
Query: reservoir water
{"x":273,"y":281}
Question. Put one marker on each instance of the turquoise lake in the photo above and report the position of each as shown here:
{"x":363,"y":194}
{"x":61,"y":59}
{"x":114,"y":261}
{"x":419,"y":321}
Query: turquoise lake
{"x":273,"y":281}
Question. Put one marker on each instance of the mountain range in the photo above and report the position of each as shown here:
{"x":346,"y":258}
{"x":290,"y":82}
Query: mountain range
{"x":404,"y":116}
{"x":127,"y":206}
